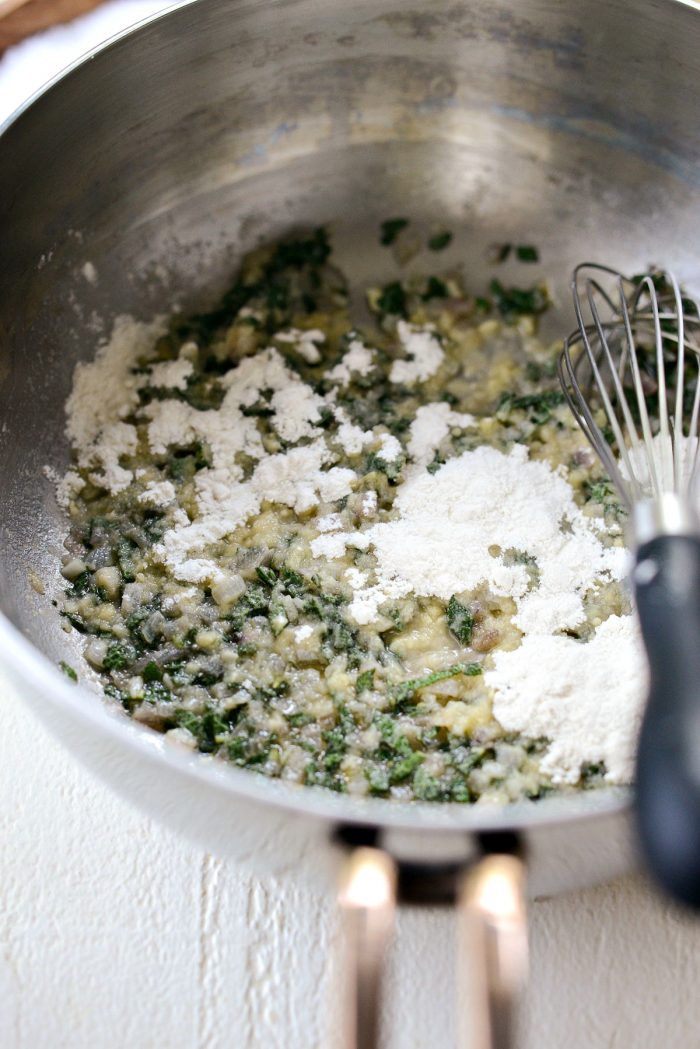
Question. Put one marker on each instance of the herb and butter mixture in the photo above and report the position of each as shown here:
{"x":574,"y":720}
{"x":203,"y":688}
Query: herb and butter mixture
{"x":379,"y":560}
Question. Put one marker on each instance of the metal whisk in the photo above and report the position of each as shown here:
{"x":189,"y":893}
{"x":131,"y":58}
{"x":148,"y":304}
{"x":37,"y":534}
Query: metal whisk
{"x":631,"y":374}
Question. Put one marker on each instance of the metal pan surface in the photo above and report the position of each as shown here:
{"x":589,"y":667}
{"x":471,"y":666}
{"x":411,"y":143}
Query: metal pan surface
{"x":166,"y":154}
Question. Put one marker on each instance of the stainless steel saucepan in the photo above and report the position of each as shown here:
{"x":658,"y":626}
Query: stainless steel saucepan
{"x":165,"y":156}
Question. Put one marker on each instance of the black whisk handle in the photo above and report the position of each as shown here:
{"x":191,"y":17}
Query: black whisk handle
{"x":667,"y":587}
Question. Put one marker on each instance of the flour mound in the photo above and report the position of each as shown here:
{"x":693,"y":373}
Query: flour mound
{"x":585,"y":698}
{"x":456,"y":525}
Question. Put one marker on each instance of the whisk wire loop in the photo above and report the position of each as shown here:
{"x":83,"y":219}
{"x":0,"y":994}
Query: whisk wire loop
{"x":678,"y":445}
{"x":629,"y":350}
{"x":628,"y":364}
{"x":617,"y":372}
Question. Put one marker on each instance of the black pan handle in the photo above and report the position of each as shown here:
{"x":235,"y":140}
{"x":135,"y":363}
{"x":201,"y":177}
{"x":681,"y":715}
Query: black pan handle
{"x":667,"y":586}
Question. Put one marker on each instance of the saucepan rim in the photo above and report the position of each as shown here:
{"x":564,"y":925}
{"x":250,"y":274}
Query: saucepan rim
{"x":34,"y":669}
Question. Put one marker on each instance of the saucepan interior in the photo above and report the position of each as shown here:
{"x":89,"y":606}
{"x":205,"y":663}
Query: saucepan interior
{"x":136,"y":183}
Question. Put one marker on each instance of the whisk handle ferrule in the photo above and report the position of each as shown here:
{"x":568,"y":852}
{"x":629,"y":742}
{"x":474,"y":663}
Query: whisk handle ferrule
{"x":667,"y":588}
{"x":666,"y":515}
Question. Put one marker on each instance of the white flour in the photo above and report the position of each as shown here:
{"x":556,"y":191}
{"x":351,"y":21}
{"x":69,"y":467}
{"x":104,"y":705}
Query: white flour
{"x":480,"y":519}
{"x":158,"y":493}
{"x":431,"y":426}
{"x":390,"y":448}
{"x":358,"y":360}
{"x":170,"y":375}
{"x":455,"y":526}
{"x":424,"y":353}
{"x":304,"y":342}
{"x":586,"y":699}
{"x":104,"y":392}
{"x":352,"y":438}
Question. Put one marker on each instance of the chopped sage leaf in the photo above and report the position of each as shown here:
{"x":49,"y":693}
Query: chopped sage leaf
{"x":393,"y":300}
{"x":68,"y":670}
{"x":365,"y":680}
{"x":435,"y":289}
{"x":406,"y":691}
{"x":118,"y":656}
{"x":527,"y":253}
{"x":460,"y":621}
{"x":439,"y":241}
{"x":511,"y":302}
{"x":390,"y":230}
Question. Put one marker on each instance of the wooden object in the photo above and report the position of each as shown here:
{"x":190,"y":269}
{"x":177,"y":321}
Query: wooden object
{"x":22,"y":18}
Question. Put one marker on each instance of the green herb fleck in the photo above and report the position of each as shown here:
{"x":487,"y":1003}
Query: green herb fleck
{"x":365,"y":681}
{"x":338,"y":636}
{"x":292,"y":582}
{"x":402,"y":769}
{"x":393,"y":300}
{"x":156,"y":692}
{"x":527,"y":253}
{"x":300,"y":719}
{"x":151,"y":672}
{"x":426,"y":787}
{"x":77,"y":622}
{"x":326,"y":417}
{"x":539,"y":406}
{"x":68,"y":670}
{"x":300,"y":257}
{"x":405,"y":692}
{"x":393,"y":742}
{"x":435,"y":289}
{"x":378,"y":779}
{"x":392,"y":470}
{"x":513,"y":302}
{"x":390,"y":230}
{"x":592,"y":772}
{"x":81,"y":585}
{"x":118,"y":656}
{"x":125,"y":560}
{"x":599,"y":491}
{"x":439,"y":241}
{"x":266,"y":575}
{"x":209,"y":728}
{"x":460,"y":621}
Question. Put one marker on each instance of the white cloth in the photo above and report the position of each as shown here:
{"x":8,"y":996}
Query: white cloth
{"x":32,"y":63}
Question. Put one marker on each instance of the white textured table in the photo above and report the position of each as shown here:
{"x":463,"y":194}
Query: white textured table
{"x":114,"y":933}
